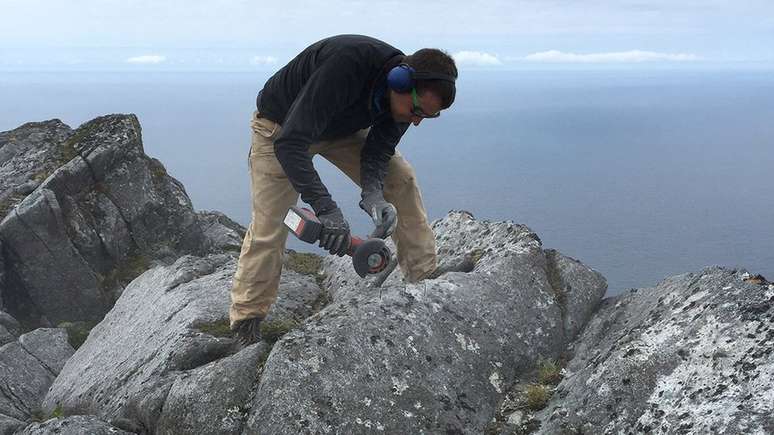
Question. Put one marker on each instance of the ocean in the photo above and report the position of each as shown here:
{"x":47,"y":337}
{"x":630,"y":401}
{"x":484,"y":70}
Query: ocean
{"x":640,"y":174}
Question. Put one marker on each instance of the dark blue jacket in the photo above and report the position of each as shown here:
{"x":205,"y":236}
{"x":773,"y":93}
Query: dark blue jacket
{"x":333,"y":88}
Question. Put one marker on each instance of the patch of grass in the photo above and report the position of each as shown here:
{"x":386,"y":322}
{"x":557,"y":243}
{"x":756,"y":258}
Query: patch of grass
{"x":476,"y":255}
{"x":537,"y":396}
{"x":38,"y":416}
{"x":9,"y":204}
{"x":158,"y":171}
{"x":549,"y":372}
{"x":220,"y":328}
{"x":304,"y":263}
{"x":77,"y":332}
{"x":125,"y":272}
{"x":272,"y":331}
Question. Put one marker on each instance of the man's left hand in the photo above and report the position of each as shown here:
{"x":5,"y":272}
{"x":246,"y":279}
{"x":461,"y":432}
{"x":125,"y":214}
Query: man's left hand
{"x":384,"y":214}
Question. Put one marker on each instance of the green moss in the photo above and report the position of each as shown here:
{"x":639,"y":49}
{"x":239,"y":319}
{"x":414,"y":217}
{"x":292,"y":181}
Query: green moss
{"x":125,"y":272}
{"x":9,"y":204}
{"x":537,"y":396}
{"x":58,"y":412}
{"x":68,"y":150}
{"x":476,"y":255}
{"x":272,"y":331}
{"x":77,"y":332}
{"x":158,"y":171}
{"x":37,"y":416}
{"x":304,"y":263}
{"x":549,"y":372}
{"x":220,"y":328}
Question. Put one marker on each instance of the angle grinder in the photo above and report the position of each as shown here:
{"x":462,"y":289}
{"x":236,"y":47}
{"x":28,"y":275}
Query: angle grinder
{"x":369,"y":256}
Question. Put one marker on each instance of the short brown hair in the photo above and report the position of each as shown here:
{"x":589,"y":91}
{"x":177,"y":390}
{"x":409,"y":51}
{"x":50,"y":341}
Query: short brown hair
{"x":435,"y":61}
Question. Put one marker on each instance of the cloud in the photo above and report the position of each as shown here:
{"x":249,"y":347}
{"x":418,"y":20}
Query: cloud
{"x":475,"y":58}
{"x":263,"y":60}
{"x":633,"y":56}
{"x":147,"y":59}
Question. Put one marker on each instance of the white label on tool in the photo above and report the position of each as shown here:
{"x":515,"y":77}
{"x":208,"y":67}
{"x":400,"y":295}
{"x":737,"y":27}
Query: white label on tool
{"x":293,"y":221}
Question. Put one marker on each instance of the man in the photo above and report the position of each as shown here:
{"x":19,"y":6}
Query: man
{"x":349,"y":98}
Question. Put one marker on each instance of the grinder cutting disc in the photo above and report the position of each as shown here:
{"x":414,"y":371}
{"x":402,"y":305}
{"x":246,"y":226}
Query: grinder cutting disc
{"x":372,"y":256}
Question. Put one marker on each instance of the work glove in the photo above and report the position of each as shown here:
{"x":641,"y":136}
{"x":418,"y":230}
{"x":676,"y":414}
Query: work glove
{"x":384,"y":214}
{"x":335,"y":236}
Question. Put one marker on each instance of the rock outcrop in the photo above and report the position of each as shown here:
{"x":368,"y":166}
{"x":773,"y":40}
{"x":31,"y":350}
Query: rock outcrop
{"x":692,"y":355}
{"x":93,"y":226}
{"x":163,"y":360}
{"x":74,"y":425}
{"x":434,"y":356}
{"x":93,"y":212}
{"x":28,"y":367}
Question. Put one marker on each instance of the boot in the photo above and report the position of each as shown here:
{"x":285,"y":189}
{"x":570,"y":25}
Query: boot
{"x":247,"y":331}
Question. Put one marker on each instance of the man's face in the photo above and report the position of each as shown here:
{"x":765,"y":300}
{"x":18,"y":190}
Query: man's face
{"x":403,"y":109}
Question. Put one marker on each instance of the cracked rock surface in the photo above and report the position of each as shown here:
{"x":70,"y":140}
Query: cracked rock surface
{"x":98,"y":213}
{"x":74,"y":425}
{"x":163,"y":361}
{"x":691,"y":355}
{"x":28,"y":367}
{"x":431,"y":357}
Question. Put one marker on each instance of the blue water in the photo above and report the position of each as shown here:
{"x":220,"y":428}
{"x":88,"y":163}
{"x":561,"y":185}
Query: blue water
{"x":639,"y":174}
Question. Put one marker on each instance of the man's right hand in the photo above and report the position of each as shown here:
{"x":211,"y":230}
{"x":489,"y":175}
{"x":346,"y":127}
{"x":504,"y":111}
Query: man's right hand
{"x":335,"y":235}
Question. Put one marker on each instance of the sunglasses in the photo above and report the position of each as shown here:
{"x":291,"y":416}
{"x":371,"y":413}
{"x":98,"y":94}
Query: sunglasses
{"x":417,"y":111}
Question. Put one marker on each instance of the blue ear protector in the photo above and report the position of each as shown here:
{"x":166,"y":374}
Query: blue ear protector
{"x":403,"y":77}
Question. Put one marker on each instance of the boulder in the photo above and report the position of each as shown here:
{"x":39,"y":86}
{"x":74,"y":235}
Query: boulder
{"x":28,"y":155}
{"x":49,"y":346}
{"x":9,"y":328}
{"x":27,"y":369}
{"x":432,"y":357}
{"x":105,"y":215}
{"x":74,"y":425}
{"x":163,"y":359}
{"x":222,"y":233}
{"x":691,"y":355}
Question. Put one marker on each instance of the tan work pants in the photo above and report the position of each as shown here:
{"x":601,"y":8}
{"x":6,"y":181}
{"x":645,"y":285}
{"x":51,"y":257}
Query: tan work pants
{"x":260,"y":262}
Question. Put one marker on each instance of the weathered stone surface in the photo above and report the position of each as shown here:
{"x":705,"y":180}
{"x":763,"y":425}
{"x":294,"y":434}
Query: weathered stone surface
{"x":74,"y":425}
{"x":9,"y":425}
{"x":49,"y":346}
{"x":221,"y":232}
{"x":433,"y":357}
{"x":166,"y":344}
{"x":211,"y":399}
{"x":29,"y":154}
{"x":104,"y":216}
{"x":691,"y":355}
{"x":27,"y":368}
{"x":23,"y":382}
{"x":9,"y":328}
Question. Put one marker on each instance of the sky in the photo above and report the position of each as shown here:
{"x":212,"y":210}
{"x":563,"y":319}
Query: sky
{"x":491,"y":34}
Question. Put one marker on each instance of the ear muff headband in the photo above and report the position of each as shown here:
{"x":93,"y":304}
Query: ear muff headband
{"x":403,"y":77}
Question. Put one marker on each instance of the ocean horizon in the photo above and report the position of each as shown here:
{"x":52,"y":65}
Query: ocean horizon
{"x":639,"y":174}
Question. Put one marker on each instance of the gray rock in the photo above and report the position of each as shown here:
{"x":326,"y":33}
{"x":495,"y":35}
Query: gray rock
{"x":74,"y":425}
{"x":49,"y":346}
{"x":100,"y":219}
{"x":211,"y":399}
{"x":436,"y":356}
{"x":165,"y":342}
{"x":9,"y":328}
{"x":222,"y":233}
{"x":23,"y":382}
{"x":10,"y":425}
{"x":29,"y":154}
{"x":692,"y":355}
